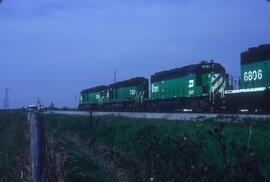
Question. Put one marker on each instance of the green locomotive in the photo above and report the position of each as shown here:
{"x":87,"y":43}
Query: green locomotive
{"x":128,"y":95}
{"x":93,"y":97}
{"x":197,"y":80}
{"x":254,"y":94}
{"x":193,"y":87}
{"x":255,"y":68}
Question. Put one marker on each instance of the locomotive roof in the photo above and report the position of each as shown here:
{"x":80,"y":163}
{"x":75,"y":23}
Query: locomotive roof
{"x":203,"y":67}
{"x":130,"y":82}
{"x":94,"y":89}
{"x":256,"y":54}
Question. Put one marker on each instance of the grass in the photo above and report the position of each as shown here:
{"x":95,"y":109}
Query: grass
{"x":122,"y":149}
{"x":14,"y":147}
{"x":69,"y":138}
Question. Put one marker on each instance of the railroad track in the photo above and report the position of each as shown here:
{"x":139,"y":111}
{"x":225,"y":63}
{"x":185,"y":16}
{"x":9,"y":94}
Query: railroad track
{"x":170,"y":116}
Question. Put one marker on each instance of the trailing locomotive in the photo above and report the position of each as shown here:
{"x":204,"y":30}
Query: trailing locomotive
{"x":128,"y":94}
{"x":93,"y":97}
{"x":191,"y":88}
{"x":124,"y":95}
{"x":202,"y":87}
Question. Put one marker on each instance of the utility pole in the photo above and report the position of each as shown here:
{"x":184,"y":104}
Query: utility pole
{"x":75,"y":101}
{"x":6,"y":99}
{"x":232,"y":81}
{"x":239,"y":82}
{"x":235,"y":84}
{"x":115,"y":73}
{"x":39,"y":104}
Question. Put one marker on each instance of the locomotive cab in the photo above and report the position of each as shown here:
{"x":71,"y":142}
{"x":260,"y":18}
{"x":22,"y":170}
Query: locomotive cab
{"x":253,"y":95}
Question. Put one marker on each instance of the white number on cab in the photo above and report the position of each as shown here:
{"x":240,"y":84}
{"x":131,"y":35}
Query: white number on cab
{"x":253,"y":75}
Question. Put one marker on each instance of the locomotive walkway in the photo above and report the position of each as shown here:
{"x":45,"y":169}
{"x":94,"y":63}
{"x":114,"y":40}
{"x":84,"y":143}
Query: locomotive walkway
{"x":170,"y":116}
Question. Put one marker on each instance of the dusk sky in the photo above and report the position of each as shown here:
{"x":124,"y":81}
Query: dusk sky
{"x":53,"y":49}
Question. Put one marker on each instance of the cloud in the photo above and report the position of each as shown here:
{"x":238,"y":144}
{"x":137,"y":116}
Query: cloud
{"x":45,"y":7}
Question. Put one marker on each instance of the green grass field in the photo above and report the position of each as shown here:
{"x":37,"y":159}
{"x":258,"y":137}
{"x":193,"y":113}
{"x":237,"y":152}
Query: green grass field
{"x":14,"y":147}
{"x":123,"y":149}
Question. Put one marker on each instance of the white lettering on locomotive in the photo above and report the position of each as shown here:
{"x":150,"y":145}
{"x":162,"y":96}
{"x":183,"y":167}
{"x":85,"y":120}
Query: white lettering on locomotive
{"x":155,"y":89}
{"x":191,"y":84}
{"x":132,"y":92}
{"x":191,"y":92}
{"x":97,"y":96}
{"x":253,"y":75}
